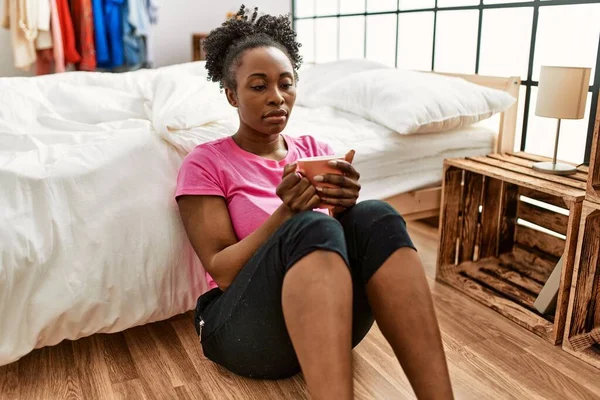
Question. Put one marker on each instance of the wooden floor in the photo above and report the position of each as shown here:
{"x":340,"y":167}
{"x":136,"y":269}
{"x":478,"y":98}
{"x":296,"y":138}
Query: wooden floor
{"x":489,"y":358}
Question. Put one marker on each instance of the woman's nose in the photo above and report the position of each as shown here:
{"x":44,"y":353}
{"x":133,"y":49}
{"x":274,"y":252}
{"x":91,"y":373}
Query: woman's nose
{"x":275,"y":97}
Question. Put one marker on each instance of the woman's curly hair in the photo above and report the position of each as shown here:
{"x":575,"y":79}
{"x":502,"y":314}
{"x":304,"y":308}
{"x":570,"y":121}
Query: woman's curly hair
{"x":247,"y":30}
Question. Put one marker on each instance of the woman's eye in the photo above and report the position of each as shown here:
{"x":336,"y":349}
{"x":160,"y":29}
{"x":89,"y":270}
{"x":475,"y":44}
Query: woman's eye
{"x":287,"y":85}
{"x":259,"y":88}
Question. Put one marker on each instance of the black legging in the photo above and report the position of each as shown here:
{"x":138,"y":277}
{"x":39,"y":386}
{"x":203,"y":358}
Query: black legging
{"x":244,"y":328}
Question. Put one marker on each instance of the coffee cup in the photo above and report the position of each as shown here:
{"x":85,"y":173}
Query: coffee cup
{"x":314,"y":166}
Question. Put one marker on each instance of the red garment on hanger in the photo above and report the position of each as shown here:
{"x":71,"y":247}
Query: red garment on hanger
{"x":45,"y":62}
{"x":52,"y":60}
{"x":68,"y":35}
{"x":83,"y":21}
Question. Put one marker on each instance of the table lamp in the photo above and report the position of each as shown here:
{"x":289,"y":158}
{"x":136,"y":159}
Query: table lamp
{"x":562,"y":94}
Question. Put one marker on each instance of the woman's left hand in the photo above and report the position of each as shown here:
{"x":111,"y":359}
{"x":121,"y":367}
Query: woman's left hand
{"x":345,"y":194}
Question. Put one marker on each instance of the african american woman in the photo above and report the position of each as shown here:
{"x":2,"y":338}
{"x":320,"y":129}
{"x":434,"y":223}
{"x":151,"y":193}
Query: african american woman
{"x":294,"y":287}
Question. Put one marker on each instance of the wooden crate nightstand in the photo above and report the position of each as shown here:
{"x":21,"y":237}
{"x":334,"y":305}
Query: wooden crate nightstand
{"x":582,"y":332}
{"x":593,"y":186}
{"x":491,"y":245}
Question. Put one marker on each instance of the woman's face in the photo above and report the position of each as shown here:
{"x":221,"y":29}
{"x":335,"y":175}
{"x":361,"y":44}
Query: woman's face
{"x":266,"y":90}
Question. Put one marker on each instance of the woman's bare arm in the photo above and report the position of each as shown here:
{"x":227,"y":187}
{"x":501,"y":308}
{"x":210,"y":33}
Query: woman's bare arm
{"x":208,"y":226}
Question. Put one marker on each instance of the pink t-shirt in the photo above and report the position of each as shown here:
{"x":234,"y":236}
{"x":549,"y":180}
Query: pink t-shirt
{"x":246,"y":181}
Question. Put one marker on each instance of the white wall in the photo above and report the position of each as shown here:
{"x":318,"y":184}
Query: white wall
{"x":180,"y":18}
{"x":172,"y":37}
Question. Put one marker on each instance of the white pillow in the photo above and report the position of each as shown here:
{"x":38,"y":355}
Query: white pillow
{"x":412,"y":102}
{"x":313,"y":77}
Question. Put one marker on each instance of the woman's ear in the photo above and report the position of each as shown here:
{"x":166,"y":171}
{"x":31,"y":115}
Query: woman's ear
{"x":231,"y":97}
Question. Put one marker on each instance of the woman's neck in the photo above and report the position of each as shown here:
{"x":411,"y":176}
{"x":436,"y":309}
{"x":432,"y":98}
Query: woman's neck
{"x":268,"y":146}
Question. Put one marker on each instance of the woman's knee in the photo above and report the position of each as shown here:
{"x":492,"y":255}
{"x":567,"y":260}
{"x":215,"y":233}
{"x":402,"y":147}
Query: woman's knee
{"x":374,"y":230}
{"x":371,"y":212}
{"x":312,"y":217}
{"x":315,"y":225}
{"x":310,"y":231}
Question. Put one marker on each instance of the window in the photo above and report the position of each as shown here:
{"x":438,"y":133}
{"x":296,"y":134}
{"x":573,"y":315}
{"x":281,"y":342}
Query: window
{"x":381,"y":5}
{"x":456,"y":41}
{"x":352,"y":34}
{"x":415,"y":4}
{"x":456,"y":3}
{"x":352,"y":6}
{"x":305,"y":33}
{"x":505,"y":52}
{"x":327,"y":46}
{"x":415,"y":40}
{"x":505,"y":1}
{"x":381,"y":38}
{"x":304,"y":8}
{"x":326,"y":7}
{"x":567,"y":35}
{"x":489,"y":37}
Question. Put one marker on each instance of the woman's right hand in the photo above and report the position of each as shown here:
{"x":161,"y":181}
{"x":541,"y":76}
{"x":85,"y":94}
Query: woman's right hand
{"x":297,"y":193}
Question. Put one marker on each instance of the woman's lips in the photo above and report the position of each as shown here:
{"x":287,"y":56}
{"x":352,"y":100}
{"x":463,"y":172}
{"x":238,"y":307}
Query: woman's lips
{"x":276,"y":116}
{"x":276,"y":119}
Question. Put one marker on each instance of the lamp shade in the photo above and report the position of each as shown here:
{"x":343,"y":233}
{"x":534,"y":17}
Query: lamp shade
{"x":562,"y":92}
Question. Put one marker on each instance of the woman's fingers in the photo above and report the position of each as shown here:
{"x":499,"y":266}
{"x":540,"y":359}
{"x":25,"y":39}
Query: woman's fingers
{"x":314,"y":202}
{"x":288,"y":182}
{"x":290,"y":178}
{"x":301,"y":186}
{"x":338,"y":180}
{"x":350,"y":156}
{"x":289,"y":168}
{"x":346,"y":168}
{"x":303,"y":201}
{"x":344,"y":203}
{"x":299,"y":194}
{"x":293,"y":195}
{"x":338,"y":192}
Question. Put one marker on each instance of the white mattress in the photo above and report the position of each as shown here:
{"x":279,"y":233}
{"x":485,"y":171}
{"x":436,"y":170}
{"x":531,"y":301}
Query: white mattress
{"x":390,"y":163}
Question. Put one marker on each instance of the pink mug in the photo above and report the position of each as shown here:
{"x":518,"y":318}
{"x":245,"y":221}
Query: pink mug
{"x":313,"y":166}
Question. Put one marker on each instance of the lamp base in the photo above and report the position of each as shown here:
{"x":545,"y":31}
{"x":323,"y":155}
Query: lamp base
{"x":555,"y":169}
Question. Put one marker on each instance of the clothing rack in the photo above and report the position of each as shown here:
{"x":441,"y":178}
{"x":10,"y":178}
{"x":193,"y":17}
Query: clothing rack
{"x":84,"y":35}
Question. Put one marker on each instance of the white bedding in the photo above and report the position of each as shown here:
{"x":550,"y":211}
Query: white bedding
{"x":90,"y":237}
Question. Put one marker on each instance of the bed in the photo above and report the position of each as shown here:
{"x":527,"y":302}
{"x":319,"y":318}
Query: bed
{"x":90,"y":236}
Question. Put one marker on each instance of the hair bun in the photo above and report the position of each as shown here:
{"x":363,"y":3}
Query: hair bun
{"x":244,"y":25}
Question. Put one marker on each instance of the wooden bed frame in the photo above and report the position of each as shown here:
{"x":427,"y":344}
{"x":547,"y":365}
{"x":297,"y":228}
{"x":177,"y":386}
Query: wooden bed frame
{"x":425,"y":203}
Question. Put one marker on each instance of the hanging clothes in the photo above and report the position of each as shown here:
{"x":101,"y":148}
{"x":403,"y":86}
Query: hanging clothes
{"x":57,"y":49}
{"x":43,"y":41}
{"x":142,"y":14}
{"x":52,"y":60}
{"x":83,"y":24}
{"x":138,"y":16}
{"x":89,"y":33}
{"x":113,"y":22}
{"x":17,"y":17}
{"x":45,"y":62}
{"x":152,"y":10}
{"x":136,"y":23}
{"x":67,"y":32}
{"x":100,"y":34}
